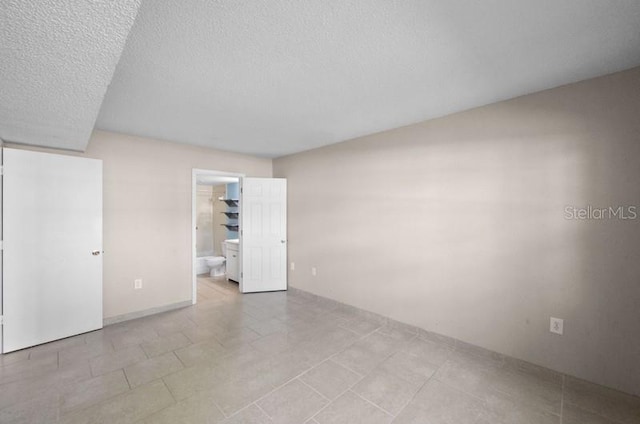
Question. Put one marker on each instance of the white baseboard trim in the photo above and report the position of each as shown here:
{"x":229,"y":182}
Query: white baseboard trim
{"x":139,"y":314}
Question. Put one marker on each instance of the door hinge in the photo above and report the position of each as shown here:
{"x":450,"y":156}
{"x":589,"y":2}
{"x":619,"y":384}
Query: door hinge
{"x":1,"y":319}
{"x":1,"y":170}
{"x":241,"y":275}
{"x":1,"y":245}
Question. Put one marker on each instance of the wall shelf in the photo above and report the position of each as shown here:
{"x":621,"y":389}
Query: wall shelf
{"x":231,"y":202}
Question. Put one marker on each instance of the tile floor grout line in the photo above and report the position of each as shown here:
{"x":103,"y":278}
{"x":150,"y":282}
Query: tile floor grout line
{"x":127,"y":379}
{"x":414,"y":394}
{"x":368,"y":401}
{"x":309,"y":386}
{"x":263,"y":411}
{"x":304,"y":324}
{"x":299,"y":375}
{"x":331,"y":402}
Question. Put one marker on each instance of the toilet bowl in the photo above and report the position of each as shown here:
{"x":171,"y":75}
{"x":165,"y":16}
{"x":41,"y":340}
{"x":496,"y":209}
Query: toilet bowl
{"x":216,"y":265}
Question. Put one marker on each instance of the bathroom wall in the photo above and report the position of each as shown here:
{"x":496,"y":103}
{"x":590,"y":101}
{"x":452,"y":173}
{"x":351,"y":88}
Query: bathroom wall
{"x":458,"y":225}
{"x":219,"y":231}
{"x":204,"y":221}
{"x":147,"y":214}
{"x":233,"y":192}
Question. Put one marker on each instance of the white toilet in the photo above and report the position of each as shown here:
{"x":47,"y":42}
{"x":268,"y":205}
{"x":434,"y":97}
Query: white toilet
{"x":216,"y":263}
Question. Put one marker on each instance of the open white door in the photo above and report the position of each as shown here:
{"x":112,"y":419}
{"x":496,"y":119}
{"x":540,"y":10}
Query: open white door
{"x":263,"y":234}
{"x":52,"y":262}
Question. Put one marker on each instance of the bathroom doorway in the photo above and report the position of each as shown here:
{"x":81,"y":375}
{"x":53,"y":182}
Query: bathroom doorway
{"x":215,"y":225}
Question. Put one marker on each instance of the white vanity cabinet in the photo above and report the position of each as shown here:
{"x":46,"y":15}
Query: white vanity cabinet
{"x":233,"y":262}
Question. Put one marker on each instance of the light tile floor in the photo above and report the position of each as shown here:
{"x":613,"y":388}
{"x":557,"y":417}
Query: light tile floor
{"x":286,"y":358}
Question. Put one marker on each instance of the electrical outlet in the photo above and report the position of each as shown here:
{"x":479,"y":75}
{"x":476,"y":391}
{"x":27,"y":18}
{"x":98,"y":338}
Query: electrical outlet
{"x":293,"y":266}
{"x":556,"y":325}
{"x":137,"y":284}
{"x":314,"y":271}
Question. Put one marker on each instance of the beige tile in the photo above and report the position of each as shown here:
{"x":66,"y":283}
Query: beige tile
{"x":402,"y":333}
{"x":539,"y":389}
{"x":42,"y":385}
{"x":198,"y":409}
{"x":56,"y":346}
{"x":389,"y":391}
{"x":502,"y":408}
{"x":165,"y":344}
{"x":409,"y":367}
{"x":412,"y":414}
{"x":274,"y":343}
{"x":13,"y":357}
{"x":199,"y":334}
{"x":361,"y":326}
{"x":84,"y":352}
{"x":207,"y":352}
{"x":116,"y":360}
{"x":468,"y":373}
{"x":250,"y":415}
{"x":132,"y":337}
{"x":128,"y":407}
{"x":268,"y":326}
{"x":234,"y":337}
{"x":32,"y":410}
{"x":428,"y":351}
{"x":330,"y":379}
{"x":284,"y":367}
{"x":189,"y":381}
{"x":29,"y":368}
{"x":93,"y":390}
{"x":166,"y":326}
{"x":440,"y":404}
{"x":608,"y":403}
{"x":571,"y":414}
{"x":352,"y":409}
{"x":150,"y":369}
{"x":364,"y":355}
{"x":250,"y":346}
{"x":233,"y":395}
{"x":292,"y":403}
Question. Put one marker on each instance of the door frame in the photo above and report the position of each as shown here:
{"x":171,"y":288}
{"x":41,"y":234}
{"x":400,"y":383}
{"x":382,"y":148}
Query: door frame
{"x":1,"y":249}
{"x":195,"y":173}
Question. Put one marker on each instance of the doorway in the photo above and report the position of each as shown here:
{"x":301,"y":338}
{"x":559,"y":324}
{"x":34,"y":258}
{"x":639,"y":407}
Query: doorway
{"x":215,"y":227}
{"x":256,"y":213}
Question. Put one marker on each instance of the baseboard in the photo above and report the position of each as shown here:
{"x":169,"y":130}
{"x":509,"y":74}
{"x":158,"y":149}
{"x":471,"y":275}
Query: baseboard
{"x":429,"y":335}
{"x":139,"y":314}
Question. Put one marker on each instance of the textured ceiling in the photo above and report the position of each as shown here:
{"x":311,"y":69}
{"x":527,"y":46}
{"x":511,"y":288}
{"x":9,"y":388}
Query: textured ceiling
{"x":57,"y":58}
{"x":281,"y":76}
{"x":272,"y":77}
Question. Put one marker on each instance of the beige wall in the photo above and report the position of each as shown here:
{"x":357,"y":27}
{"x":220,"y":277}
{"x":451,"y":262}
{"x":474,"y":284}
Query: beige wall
{"x":204,"y":221}
{"x":457,"y":225}
{"x":219,"y":231}
{"x":210,"y":233}
{"x":147,"y":215}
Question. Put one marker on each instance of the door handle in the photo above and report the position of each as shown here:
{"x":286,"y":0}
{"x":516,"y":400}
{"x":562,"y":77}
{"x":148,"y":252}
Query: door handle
{"x":95,"y":252}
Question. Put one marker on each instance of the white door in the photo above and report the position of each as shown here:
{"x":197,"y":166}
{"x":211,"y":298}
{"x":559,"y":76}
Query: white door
{"x":52,"y":262}
{"x":263,"y":236}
